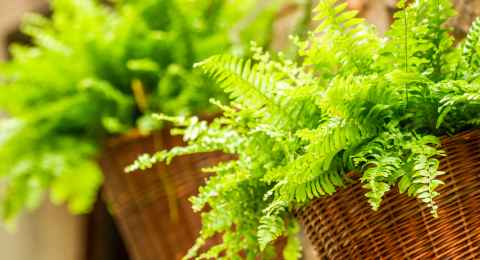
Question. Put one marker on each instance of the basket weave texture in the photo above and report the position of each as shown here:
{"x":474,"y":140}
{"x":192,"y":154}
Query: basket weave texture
{"x":151,"y":207}
{"x":343,"y":226}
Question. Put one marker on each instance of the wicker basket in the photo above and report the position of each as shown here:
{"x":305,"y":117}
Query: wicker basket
{"x":151,"y":208}
{"x":344,"y":227}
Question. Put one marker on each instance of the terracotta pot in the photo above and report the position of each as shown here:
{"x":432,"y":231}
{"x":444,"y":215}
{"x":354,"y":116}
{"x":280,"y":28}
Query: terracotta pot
{"x":343,"y":226}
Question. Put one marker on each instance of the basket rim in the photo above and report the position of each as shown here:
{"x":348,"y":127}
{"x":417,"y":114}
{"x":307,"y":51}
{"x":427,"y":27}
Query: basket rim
{"x":445,"y":139}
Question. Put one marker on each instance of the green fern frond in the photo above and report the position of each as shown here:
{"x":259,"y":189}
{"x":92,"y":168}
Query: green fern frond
{"x":272,"y":224}
{"x":271,"y":228}
{"x":376,"y":179}
{"x":311,"y":181}
{"x":201,"y":138}
{"x":333,"y":16}
{"x":470,"y":45}
{"x":459,"y":100}
{"x":424,"y":182}
{"x":414,"y":52}
{"x":243,"y":81}
{"x":420,"y":179}
{"x":380,"y":161}
{"x":342,"y":41}
{"x":256,"y":88}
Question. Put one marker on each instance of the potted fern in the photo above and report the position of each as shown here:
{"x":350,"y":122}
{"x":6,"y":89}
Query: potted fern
{"x":81,"y":96}
{"x":359,"y":120}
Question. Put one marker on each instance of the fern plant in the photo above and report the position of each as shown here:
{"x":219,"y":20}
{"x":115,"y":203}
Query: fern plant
{"x":356,"y":103}
{"x":96,"y":70}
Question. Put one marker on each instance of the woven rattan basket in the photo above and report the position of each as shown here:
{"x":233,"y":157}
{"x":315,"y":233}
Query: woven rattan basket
{"x":151,"y":207}
{"x":344,"y":227}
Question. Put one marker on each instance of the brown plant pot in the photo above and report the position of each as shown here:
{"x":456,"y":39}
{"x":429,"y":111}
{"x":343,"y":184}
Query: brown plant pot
{"x":343,"y":226}
{"x":151,"y":207}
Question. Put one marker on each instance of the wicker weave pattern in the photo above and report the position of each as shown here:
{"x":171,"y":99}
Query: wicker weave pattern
{"x":344,"y":227}
{"x":152,"y":207}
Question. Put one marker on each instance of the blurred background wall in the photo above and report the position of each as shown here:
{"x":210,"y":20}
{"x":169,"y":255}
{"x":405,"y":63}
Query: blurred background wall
{"x":48,"y":234}
{"x":11,"y":12}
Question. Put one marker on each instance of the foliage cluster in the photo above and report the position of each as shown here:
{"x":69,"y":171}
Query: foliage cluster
{"x":356,"y":102}
{"x":94,"y":70}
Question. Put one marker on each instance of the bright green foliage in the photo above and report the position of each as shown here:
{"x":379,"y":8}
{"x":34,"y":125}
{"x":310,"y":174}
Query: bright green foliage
{"x":342,"y":43}
{"x":95,"y":70}
{"x":470,"y":46}
{"x":357,"y":103}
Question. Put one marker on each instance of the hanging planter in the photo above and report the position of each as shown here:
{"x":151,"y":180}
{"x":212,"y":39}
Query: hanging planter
{"x":353,"y":102}
{"x":344,"y":227}
{"x":152,"y":208}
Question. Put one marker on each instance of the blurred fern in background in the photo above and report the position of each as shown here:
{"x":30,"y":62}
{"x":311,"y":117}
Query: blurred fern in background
{"x":96,"y":70}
